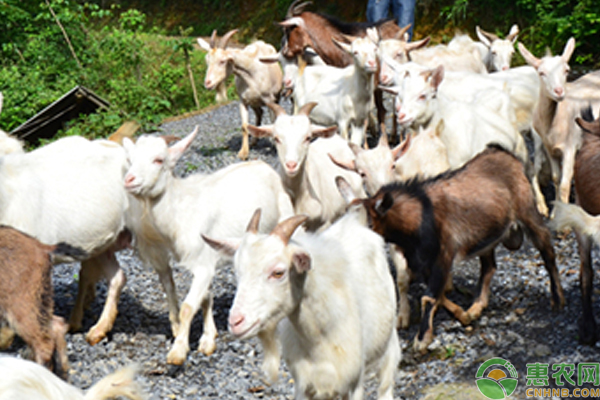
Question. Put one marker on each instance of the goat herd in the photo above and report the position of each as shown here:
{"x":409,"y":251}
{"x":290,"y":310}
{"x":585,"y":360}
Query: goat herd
{"x":307,"y":241}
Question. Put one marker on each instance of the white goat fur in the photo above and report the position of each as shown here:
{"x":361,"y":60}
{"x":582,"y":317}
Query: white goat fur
{"x":306,"y":171}
{"x":176,"y":211}
{"x":256,"y":83}
{"x":26,"y":380}
{"x":334,"y":295}
{"x":343,"y":95}
{"x":72,"y":191}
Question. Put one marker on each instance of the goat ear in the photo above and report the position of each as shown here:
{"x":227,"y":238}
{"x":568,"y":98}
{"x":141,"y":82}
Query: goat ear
{"x":291,"y":22}
{"x":204,"y":45}
{"x":402,"y":148}
{"x":373,"y":35}
{"x":439,"y":129}
{"x":513,"y":34}
{"x":226,"y":247}
{"x":347,"y":165}
{"x":128,"y":144}
{"x":437,"y":77}
{"x":344,"y":46}
{"x":482,"y":37}
{"x":383,"y":205}
{"x":260,"y":131}
{"x":178,"y":148}
{"x":529,"y":58}
{"x":392,"y":90}
{"x":324,"y":132}
{"x":270,"y":59}
{"x":417,"y":45}
{"x":568,"y":51}
{"x":345,"y":189}
{"x":301,"y":261}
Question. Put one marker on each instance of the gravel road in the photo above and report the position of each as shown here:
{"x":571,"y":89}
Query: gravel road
{"x":518,"y":325}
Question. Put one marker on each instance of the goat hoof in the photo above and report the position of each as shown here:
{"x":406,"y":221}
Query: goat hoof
{"x":207,"y":346}
{"x":402,"y":322}
{"x":94,"y":336}
{"x":420,"y":346}
{"x":74,"y":326}
{"x":177,"y":355}
{"x":243,"y":155}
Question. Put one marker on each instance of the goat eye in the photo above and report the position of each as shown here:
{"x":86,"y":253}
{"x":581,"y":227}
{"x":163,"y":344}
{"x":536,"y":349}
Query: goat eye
{"x":158,"y":161}
{"x":362,"y":174}
{"x":422,"y":97}
{"x":277,"y":274}
{"x":276,"y":139}
{"x":542,"y":73}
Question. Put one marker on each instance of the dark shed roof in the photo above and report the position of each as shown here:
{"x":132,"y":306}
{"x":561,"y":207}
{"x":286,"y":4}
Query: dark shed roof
{"x":51,"y":119}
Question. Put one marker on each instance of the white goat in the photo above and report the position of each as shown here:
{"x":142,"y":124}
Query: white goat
{"x":558,"y":105}
{"x":334,"y":296}
{"x":72,"y":191}
{"x":26,"y":380}
{"x":306,"y":171}
{"x":343,"y":95}
{"x":175,"y":212}
{"x":497,"y":53}
{"x":256,"y":83}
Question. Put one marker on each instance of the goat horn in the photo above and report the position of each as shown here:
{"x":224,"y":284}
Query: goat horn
{"x":402,"y":31}
{"x":253,"y":224}
{"x":277,"y":109}
{"x":226,"y":37}
{"x":213,"y":39}
{"x":285,"y":229}
{"x":383,"y":140}
{"x":296,"y":9}
{"x":307,"y":108}
{"x":489,"y":35}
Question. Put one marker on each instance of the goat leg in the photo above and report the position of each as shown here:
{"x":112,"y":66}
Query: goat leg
{"x":587,"y":324}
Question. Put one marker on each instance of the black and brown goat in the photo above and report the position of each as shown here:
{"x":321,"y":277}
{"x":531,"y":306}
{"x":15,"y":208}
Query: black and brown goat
{"x":457,"y":215}
{"x":26,"y":295}
{"x":586,"y":227}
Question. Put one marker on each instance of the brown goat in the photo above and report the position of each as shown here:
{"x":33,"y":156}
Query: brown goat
{"x":304,"y":29}
{"x":457,"y":215}
{"x":26,"y":295}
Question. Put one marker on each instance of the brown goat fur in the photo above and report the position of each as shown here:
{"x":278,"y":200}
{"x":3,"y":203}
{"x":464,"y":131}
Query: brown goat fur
{"x":457,"y":215}
{"x":26,"y":295}
{"x":587,"y":194}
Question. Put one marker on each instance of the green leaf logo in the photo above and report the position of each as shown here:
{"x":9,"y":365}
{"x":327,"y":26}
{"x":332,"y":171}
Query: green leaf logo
{"x":494,"y":383}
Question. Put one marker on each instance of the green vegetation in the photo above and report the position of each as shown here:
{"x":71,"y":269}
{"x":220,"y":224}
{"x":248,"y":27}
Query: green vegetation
{"x":139,"y":55}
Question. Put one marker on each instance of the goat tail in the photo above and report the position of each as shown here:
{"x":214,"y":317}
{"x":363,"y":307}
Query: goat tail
{"x":120,"y":383}
{"x":67,"y":253}
{"x":573,"y":216}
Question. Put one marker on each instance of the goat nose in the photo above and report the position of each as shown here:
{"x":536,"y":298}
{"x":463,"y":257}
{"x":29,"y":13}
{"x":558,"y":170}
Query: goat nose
{"x":401,"y":116}
{"x":559,"y":91}
{"x":291,"y":165}
{"x":207,"y":83}
{"x":505,"y":68}
{"x":236,"y":320}
{"x":129,"y":179}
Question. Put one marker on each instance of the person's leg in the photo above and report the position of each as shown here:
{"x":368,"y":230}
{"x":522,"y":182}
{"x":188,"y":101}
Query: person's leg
{"x":377,"y":9}
{"x":404,"y":11}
